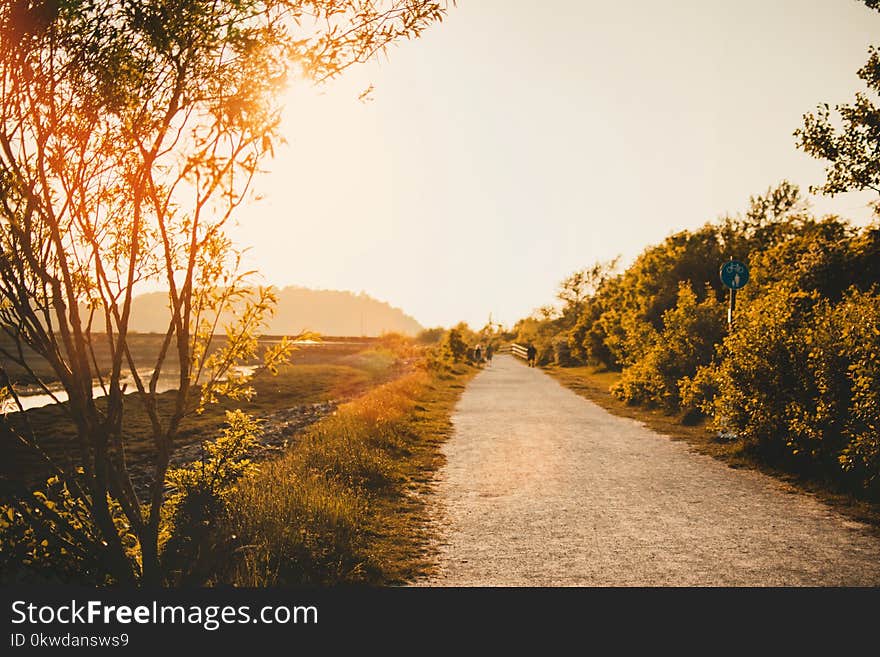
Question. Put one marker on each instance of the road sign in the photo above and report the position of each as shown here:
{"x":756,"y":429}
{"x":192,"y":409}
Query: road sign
{"x":734,"y":274}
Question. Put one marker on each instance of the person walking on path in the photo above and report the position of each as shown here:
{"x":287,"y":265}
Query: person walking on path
{"x":489,"y":351}
{"x":478,"y":354}
{"x":532,"y":354}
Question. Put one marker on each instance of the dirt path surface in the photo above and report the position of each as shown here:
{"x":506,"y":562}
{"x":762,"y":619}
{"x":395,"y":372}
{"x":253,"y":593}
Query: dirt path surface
{"x":544,"y":488}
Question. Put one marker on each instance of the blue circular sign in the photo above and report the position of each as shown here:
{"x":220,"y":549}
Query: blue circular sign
{"x":734,"y":274}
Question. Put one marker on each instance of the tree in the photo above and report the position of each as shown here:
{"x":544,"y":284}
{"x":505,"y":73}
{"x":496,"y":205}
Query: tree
{"x":545,"y":313}
{"x":580,"y":285}
{"x":455,"y":345}
{"x":573,"y":289}
{"x":130,"y":131}
{"x":852,"y":148}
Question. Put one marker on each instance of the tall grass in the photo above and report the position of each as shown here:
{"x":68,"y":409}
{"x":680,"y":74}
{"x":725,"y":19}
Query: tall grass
{"x":312,"y":517}
{"x":295,"y":528}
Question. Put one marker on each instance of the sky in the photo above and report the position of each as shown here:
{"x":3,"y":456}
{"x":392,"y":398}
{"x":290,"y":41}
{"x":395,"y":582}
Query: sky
{"x":516,"y":142}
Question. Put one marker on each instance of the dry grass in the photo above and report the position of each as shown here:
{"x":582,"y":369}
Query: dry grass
{"x":346,"y":503}
{"x":594,"y":384}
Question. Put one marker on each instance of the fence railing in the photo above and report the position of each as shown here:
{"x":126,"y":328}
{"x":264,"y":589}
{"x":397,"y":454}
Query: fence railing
{"x":519,"y":351}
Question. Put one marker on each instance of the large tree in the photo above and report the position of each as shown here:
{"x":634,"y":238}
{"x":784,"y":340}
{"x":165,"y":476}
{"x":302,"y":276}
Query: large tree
{"x":849,"y":141}
{"x":130,"y":130}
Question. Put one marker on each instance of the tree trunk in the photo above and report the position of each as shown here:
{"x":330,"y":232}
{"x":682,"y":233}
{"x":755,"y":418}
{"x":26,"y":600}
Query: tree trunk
{"x":118,"y":564}
{"x":152,"y":571}
{"x":149,"y":537}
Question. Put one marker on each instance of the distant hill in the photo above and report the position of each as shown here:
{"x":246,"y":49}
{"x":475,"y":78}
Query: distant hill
{"x":328,"y":312}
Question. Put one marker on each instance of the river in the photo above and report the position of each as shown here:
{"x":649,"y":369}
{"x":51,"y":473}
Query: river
{"x":33,"y":397}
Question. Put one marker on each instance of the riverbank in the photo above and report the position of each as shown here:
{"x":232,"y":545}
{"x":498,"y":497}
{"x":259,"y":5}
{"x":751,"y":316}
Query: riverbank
{"x":323,"y":377}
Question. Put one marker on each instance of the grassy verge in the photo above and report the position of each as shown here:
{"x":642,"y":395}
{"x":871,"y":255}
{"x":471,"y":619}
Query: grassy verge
{"x":347,"y":503}
{"x":594,"y":384}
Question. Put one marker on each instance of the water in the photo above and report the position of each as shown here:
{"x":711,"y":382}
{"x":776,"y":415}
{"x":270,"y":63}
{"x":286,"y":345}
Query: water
{"x":38,"y":399}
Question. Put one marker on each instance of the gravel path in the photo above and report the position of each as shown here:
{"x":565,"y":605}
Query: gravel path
{"x":544,"y":488}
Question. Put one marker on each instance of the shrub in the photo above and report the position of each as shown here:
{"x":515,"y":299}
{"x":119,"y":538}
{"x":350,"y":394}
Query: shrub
{"x":800,"y":379}
{"x":562,"y":355}
{"x":400,"y":346}
{"x":454,"y":346}
{"x":431,"y":335}
{"x":856,"y":325}
{"x":586,"y":341}
{"x":698,"y":392}
{"x":545,"y":353}
{"x":690,"y":332}
{"x":435,"y":359}
{"x":201,"y":491}
{"x":762,"y":370}
{"x":52,"y":538}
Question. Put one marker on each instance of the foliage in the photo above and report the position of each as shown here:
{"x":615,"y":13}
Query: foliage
{"x":857,"y":332}
{"x":454,"y":347}
{"x":130,"y":132}
{"x":562,"y":352}
{"x":539,"y":333}
{"x":587,"y":340}
{"x":398,"y":345}
{"x":201,"y":491}
{"x":52,"y":537}
{"x":431,"y":335}
{"x":691,"y":329}
{"x":849,"y":148}
{"x":582,"y":284}
{"x":796,"y":381}
{"x":799,"y":380}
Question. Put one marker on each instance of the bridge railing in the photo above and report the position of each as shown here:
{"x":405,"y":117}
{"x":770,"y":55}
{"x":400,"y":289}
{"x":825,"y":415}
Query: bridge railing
{"x":519,"y":351}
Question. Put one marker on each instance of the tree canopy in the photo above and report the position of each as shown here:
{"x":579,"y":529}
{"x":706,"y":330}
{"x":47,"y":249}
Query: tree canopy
{"x":130,"y":131}
{"x":849,"y":141}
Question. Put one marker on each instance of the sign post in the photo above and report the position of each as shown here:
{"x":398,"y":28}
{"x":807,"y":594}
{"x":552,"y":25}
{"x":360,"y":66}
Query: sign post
{"x":734,"y":276}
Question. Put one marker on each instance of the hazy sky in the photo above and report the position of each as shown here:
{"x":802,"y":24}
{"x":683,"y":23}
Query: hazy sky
{"x":518,"y":141}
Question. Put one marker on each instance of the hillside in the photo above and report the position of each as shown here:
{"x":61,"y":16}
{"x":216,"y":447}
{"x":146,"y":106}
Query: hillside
{"x":328,"y":312}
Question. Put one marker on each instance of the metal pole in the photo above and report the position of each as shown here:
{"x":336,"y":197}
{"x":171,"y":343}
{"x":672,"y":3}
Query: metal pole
{"x":731,"y":309}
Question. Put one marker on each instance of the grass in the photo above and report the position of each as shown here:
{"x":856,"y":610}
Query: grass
{"x":315,"y":374}
{"x":594,"y":384}
{"x":347,"y":503}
